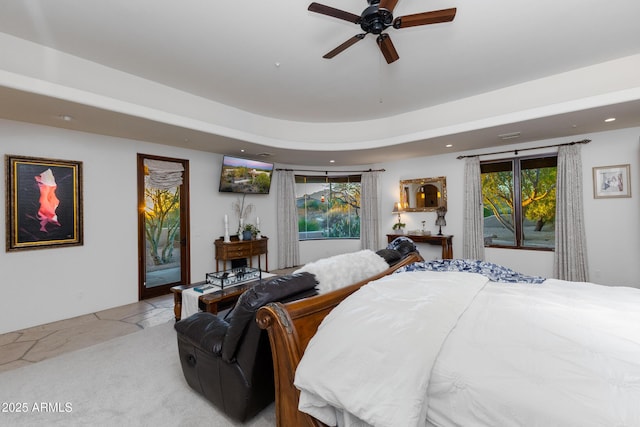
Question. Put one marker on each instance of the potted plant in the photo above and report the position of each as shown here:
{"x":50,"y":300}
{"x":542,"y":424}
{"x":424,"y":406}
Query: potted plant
{"x":249,"y":231}
{"x":399,"y":227}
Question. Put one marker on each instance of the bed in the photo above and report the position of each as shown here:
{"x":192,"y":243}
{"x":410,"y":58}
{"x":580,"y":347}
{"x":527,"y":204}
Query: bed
{"x":458,"y":343}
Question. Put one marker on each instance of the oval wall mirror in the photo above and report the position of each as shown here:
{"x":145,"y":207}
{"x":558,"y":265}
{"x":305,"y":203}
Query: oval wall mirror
{"x":423,"y":194}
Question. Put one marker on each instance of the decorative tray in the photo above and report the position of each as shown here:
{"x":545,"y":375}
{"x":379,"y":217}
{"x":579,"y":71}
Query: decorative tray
{"x":235,"y":276}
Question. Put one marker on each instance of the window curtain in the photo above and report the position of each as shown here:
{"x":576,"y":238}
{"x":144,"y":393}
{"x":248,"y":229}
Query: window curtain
{"x":473,"y":240}
{"x":287,"y":218}
{"x":570,"y":258}
{"x":369,"y":218}
{"x":162,"y":175}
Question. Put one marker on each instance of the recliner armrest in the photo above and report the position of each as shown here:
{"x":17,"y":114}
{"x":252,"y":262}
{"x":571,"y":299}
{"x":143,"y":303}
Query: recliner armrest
{"x":204,"y":330}
{"x":275,"y":289}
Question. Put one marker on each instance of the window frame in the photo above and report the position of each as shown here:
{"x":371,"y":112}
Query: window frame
{"x":326,"y":179}
{"x":516,"y":168}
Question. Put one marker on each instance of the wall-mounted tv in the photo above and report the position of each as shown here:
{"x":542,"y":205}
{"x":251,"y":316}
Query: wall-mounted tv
{"x":245,"y":176}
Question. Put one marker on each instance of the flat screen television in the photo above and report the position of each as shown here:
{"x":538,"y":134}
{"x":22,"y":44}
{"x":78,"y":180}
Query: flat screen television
{"x":245,"y":176}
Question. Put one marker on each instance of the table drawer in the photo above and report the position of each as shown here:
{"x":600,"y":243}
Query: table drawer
{"x":236,"y":252}
{"x":237,"y":249}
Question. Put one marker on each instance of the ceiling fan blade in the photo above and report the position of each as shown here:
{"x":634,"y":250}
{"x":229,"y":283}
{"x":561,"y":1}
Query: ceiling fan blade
{"x":388,"y":4}
{"x":353,"y":40}
{"x":336,"y":13}
{"x":425,"y":18}
{"x":387,"y":48}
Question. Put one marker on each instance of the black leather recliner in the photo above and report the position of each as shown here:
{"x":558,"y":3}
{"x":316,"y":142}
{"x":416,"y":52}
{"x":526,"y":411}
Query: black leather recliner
{"x":229,"y":360}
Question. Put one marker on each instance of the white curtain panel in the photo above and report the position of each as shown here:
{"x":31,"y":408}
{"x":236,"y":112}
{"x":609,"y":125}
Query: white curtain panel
{"x":570,"y":259}
{"x":473,"y":240}
{"x":287,"y":218}
{"x":369,"y":218}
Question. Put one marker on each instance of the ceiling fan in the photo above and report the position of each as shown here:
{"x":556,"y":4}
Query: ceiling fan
{"x":378,"y":17}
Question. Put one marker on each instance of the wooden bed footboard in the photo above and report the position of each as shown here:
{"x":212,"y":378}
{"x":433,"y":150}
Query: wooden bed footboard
{"x":290,"y":327}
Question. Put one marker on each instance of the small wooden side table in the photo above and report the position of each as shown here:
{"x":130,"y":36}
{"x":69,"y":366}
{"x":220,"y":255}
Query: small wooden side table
{"x":446,"y":241}
{"x":237,"y":249}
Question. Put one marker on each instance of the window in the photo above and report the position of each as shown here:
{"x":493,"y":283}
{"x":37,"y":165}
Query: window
{"x":328,"y":207}
{"x":519,"y":197}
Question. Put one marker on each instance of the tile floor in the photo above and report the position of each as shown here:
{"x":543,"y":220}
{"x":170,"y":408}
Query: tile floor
{"x":32,"y":345}
{"x":27,"y":346}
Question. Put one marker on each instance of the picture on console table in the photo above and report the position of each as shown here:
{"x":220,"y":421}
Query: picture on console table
{"x":43,"y":203}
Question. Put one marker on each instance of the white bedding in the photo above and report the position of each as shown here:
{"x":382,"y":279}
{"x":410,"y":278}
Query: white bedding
{"x":369,"y":348}
{"x":552,"y":354}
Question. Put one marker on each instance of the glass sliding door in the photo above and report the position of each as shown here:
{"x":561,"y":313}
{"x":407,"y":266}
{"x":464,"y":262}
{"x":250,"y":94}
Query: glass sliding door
{"x":163,"y":228}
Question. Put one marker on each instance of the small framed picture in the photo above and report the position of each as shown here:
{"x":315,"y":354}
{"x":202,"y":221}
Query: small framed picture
{"x":611,"y":181}
{"x":43,"y":203}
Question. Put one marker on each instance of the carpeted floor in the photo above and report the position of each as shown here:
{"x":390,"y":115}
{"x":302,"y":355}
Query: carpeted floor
{"x":134,"y":380}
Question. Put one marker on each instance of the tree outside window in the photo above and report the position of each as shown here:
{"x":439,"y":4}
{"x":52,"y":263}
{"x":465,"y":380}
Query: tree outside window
{"x":162,"y":223}
{"x":328,"y":207}
{"x":519,"y":197}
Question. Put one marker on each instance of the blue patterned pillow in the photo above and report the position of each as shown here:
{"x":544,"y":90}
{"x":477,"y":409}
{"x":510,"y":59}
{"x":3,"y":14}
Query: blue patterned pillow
{"x":494,"y":272}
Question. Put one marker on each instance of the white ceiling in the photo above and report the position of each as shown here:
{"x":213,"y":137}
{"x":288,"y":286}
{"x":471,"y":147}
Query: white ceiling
{"x":265,"y":58}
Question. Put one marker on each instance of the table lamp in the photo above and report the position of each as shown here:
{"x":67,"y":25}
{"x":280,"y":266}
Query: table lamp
{"x":440,"y":221}
{"x":397,"y":208}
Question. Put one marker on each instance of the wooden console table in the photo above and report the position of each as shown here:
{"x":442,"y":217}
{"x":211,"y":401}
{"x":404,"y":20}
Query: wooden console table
{"x":237,"y":249}
{"x":445,"y":241}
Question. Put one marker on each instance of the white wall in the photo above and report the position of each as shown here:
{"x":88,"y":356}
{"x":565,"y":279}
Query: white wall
{"x":46,"y":285}
{"x":612,"y":225}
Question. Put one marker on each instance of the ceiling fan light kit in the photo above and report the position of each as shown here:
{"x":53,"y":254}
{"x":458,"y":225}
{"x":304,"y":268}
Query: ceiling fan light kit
{"x":376,"y":18}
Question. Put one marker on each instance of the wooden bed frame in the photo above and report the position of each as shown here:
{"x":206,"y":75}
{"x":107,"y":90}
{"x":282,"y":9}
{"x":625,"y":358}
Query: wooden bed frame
{"x":290,"y":327}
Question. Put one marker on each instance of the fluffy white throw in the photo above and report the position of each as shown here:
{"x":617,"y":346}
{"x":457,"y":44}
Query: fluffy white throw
{"x":345,"y":269}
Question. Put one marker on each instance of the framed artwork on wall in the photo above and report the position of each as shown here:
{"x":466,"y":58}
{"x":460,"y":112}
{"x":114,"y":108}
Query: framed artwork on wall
{"x":43,"y":203}
{"x":611,"y":181}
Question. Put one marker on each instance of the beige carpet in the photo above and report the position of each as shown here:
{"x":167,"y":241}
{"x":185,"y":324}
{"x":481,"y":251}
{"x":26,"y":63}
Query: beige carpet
{"x":135,"y":380}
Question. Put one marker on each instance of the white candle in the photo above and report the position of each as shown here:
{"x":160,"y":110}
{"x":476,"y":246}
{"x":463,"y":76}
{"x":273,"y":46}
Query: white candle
{"x":257,"y":222}
{"x":226,"y":219}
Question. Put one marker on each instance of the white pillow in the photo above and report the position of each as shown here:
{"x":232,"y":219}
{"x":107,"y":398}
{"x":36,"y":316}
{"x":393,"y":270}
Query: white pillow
{"x":346,"y":269}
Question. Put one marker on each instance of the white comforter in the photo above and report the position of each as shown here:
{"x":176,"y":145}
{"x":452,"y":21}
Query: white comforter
{"x":432,"y":348}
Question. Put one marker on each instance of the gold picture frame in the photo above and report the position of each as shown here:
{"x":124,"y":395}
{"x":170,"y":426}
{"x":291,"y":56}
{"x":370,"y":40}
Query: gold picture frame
{"x":43,"y":203}
{"x":423,"y":194}
{"x":611,"y":181}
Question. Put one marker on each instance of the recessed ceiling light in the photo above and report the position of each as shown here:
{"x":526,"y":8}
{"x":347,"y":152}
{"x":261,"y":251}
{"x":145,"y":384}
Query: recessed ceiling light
{"x":449,"y":145}
{"x":610,"y":119}
{"x":242,"y":150}
{"x":66,"y":117}
{"x":332,"y":161}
